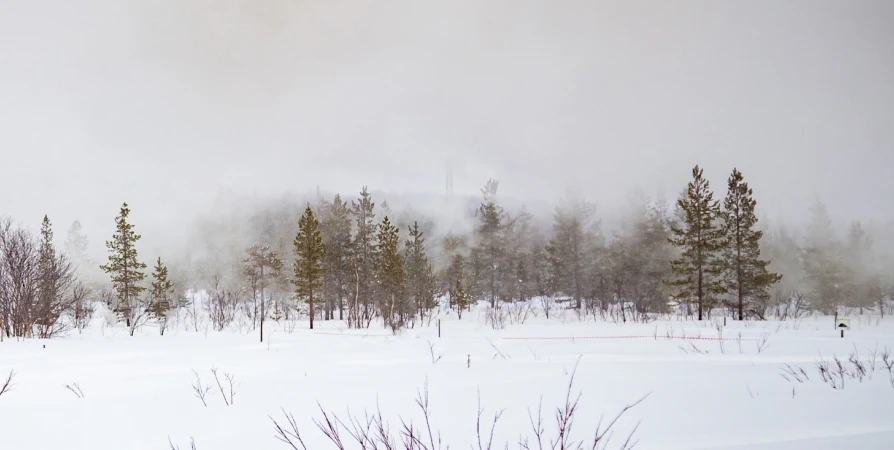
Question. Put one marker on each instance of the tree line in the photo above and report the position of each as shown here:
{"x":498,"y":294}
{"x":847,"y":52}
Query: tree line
{"x":363,"y":264}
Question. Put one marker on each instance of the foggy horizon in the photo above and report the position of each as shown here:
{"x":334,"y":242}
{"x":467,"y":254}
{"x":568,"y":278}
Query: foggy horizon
{"x":170,"y":105}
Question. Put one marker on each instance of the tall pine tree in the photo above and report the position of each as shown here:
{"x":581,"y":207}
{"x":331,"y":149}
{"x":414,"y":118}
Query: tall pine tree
{"x":746,"y":275}
{"x":488,"y":254}
{"x":700,"y":238}
{"x":310,"y":252}
{"x":390,"y":275}
{"x":823,"y":257}
{"x":124,"y":267}
{"x":420,"y":275}
{"x":363,"y":260}
{"x":161,"y":290}
{"x":335,"y":225}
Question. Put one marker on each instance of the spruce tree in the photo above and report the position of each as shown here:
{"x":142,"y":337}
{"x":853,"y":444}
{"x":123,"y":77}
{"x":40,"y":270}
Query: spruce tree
{"x":160,"y":290}
{"x":335,"y":225}
{"x":310,"y":252}
{"x":390,"y":275}
{"x":363,"y":260}
{"x":48,"y":307}
{"x":746,"y":275}
{"x":76,"y":243}
{"x":420,"y":275}
{"x":124,"y":266}
{"x":699,"y":238}
{"x":571,"y":251}
{"x":261,"y":266}
{"x":823,"y":258}
{"x":489,"y":253}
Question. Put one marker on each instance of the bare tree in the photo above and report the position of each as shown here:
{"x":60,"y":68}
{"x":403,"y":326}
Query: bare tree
{"x":221,"y":304}
{"x":18,"y":280}
{"x":82,"y":306}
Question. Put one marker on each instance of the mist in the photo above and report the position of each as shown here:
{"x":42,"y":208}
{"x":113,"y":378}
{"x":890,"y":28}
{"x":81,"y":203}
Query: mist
{"x":176,"y":106}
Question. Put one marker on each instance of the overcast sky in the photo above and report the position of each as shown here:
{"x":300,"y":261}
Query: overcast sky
{"x":162,"y":103}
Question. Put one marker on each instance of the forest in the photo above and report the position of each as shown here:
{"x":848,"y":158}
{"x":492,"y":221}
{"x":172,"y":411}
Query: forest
{"x":357,"y":261}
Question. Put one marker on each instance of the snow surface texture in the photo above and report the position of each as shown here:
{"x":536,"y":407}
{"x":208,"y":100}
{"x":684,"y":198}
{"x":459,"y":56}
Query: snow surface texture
{"x":137,"y":391}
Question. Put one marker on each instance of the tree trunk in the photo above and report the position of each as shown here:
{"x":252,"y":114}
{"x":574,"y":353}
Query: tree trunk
{"x":311,"y":301}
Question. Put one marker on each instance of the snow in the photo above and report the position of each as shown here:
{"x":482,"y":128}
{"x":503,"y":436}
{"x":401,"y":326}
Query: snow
{"x":138,"y":394}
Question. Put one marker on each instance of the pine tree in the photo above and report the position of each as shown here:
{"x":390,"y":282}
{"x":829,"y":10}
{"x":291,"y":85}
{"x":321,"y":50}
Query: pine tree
{"x":76,"y":243}
{"x":261,"y":266}
{"x":699,"y":238}
{"x":124,"y":266}
{"x":746,"y":274}
{"x":571,"y":250}
{"x":54,"y":277}
{"x":335,"y":225}
{"x":489,"y":253}
{"x":862,"y":279}
{"x":420,"y":275}
{"x":390,"y":275}
{"x":824,"y":264}
{"x":310,"y":252}
{"x":161,"y":290}
{"x":460,"y":297}
{"x":363,"y":260}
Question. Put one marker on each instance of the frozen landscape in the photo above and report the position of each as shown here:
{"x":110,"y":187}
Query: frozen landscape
{"x":433,"y":224}
{"x":700,"y":393}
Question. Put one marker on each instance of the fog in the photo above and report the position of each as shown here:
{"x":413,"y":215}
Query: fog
{"x":177,"y":105}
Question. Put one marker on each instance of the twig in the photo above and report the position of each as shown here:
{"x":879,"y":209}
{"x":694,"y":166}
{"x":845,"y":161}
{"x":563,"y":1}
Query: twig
{"x":7,"y":385}
{"x":230,"y":379}
{"x":75,"y":389}
{"x":291,"y":435}
{"x":200,"y":391}
{"x":431,"y":349}
{"x":192,"y":444}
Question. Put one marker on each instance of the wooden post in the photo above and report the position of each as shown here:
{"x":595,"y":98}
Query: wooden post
{"x":842,"y":332}
{"x":724,"y":320}
{"x":439,"y":327}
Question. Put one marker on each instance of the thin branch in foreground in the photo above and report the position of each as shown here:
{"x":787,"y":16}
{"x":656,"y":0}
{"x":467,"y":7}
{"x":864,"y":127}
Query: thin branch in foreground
{"x":493,"y":426}
{"x":192,"y":444}
{"x":7,"y":385}
{"x":75,"y":389}
{"x":290,"y":436}
{"x":228,"y":399}
{"x":200,"y":391}
{"x":372,"y":432}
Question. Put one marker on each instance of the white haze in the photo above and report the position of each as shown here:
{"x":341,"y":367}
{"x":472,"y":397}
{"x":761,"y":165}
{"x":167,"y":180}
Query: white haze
{"x":171,"y":104}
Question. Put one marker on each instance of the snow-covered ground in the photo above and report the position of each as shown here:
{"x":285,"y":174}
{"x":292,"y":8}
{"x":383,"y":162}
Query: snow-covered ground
{"x":137,"y":391}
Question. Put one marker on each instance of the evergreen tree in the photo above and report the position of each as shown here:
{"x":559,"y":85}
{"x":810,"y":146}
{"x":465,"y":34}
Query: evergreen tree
{"x":420,"y":275}
{"x":261,"y":265}
{"x":824,"y":265}
{"x":699,"y":238}
{"x":54,"y":278}
{"x":124,"y":266}
{"x":460,"y":297}
{"x":363,"y":260}
{"x":310,"y":252}
{"x":489,"y":253}
{"x":161,"y":290}
{"x":76,"y":243}
{"x":746,"y":274}
{"x":571,"y":251}
{"x":335,"y":225}
{"x":864,"y":281}
{"x":390,"y":274}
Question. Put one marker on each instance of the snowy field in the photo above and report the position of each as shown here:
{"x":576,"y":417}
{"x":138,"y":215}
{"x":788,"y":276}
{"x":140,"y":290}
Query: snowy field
{"x":137,"y":391}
